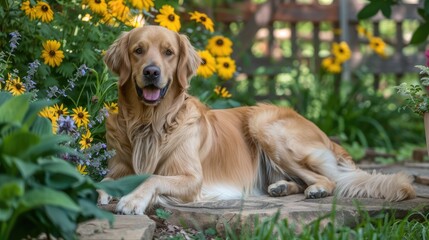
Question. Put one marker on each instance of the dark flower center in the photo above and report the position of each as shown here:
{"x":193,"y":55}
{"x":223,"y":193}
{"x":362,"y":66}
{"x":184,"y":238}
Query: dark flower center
{"x":203,"y":61}
{"x":97,"y":1}
{"x":88,"y":140}
{"x":80,"y":115}
{"x":45,"y":8}
{"x":18,"y":86}
{"x":226,"y":65}
{"x":52,"y":53}
{"x":341,"y":50}
{"x":203,"y":19}
{"x":219,"y":42}
{"x":171,"y":17}
{"x":60,"y":112}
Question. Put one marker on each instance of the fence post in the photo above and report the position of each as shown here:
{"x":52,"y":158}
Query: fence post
{"x":344,"y":26}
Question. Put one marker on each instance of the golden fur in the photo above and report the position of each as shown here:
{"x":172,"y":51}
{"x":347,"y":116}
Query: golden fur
{"x":195,"y":153}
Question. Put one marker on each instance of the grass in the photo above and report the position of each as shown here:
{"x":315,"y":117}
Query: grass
{"x":384,"y":225}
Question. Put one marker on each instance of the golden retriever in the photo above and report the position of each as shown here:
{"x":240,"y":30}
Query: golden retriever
{"x":194,"y":153}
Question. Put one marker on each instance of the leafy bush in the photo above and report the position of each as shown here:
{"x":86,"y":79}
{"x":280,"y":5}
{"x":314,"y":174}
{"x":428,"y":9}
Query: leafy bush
{"x":37,"y":188}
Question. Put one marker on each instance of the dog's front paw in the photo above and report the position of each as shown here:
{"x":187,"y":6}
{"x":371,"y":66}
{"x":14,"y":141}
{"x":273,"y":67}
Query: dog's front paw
{"x":316,"y":191}
{"x":103,"y":197}
{"x":133,"y":204}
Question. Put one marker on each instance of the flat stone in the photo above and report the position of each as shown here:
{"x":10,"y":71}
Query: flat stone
{"x":125,"y":227}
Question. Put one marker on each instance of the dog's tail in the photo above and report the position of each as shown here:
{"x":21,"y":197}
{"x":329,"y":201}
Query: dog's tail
{"x":354,"y":182}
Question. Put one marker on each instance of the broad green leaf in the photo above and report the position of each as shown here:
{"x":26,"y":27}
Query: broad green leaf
{"x":386,"y":10}
{"x":122,"y":186}
{"x":5,"y":214}
{"x":26,"y":169}
{"x":4,"y":96}
{"x":90,"y":210}
{"x":41,"y":126}
{"x":14,"y":109}
{"x":33,"y":111}
{"x":11,"y":190}
{"x":369,"y":10}
{"x":421,"y":34}
{"x":423,"y":14}
{"x":45,"y":196}
{"x":17,"y":143}
{"x":48,"y":145}
{"x":65,"y":222}
{"x":426,"y":7}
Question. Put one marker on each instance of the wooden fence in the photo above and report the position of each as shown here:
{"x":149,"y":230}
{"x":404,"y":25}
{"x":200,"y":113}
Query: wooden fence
{"x":270,"y":32}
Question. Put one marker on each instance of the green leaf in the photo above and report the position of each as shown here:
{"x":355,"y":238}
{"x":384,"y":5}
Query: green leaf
{"x":14,"y":109}
{"x":16,"y":143}
{"x":26,"y":169}
{"x":41,"y":126}
{"x":45,"y":196}
{"x":421,"y":34}
{"x":63,"y":221}
{"x":33,"y":111}
{"x":386,"y":10}
{"x":369,"y":10}
{"x":122,"y":186}
{"x":426,"y":7}
{"x":4,"y":96}
{"x":90,"y":210}
{"x":163,"y":214}
{"x":11,"y":190}
{"x":48,"y":145}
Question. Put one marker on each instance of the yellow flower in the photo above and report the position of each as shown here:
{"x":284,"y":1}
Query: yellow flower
{"x":50,"y":113}
{"x":331,"y":65}
{"x":60,"y":110}
{"x":44,"y":12}
{"x":222,"y":92}
{"x":29,"y":11}
{"x":15,"y":86}
{"x":119,"y":10}
{"x":85,"y":141}
{"x":362,"y":32}
{"x":111,"y":107}
{"x":167,"y":18}
{"x":219,"y":46}
{"x":225,"y":67}
{"x":378,"y":46}
{"x":81,"y":169}
{"x":80,"y":116}
{"x":142,"y":4}
{"x":202,"y":18}
{"x":98,"y":6}
{"x":341,"y":51}
{"x":51,"y":53}
{"x":208,"y":64}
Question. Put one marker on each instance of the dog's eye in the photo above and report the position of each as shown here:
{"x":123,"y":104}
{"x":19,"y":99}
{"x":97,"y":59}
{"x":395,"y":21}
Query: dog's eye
{"x":168,"y":52}
{"x":138,"y":50}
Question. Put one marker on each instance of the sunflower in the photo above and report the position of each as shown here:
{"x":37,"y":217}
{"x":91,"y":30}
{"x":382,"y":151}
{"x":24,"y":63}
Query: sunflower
{"x":202,"y":18}
{"x":85,"y":141}
{"x":222,"y":92}
{"x":142,"y":4}
{"x":225,"y":67}
{"x":14,"y":86}
{"x":219,"y":46}
{"x":119,"y":10}
{"x":362,"y":32}
{"x":341,"y":51}
{"x":28,"y":10}
{"x":60,"y":110}
{"x":80,"y":116}
{"x":331,"y":65}
{"x":167,"y":18}
{"x":98,"y":6}
{"x":111,"y":107}
{"x":378,"y":46}
{"x":44,"y":12}
{"x":208,"y":64}
{"x":51,"y":53}
{"x":49,"y":113}
{"x":81,"y":169}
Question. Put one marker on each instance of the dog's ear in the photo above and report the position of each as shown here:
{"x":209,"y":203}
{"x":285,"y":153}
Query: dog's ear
{"x":189,"y":61}
{"x":117,"y":59}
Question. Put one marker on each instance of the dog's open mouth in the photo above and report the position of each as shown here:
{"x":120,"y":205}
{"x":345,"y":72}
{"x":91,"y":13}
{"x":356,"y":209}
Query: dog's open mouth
{"x":151,"y":94}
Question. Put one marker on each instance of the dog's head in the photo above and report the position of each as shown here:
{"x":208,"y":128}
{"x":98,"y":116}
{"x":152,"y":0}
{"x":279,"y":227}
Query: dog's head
{"x":155,"y":59}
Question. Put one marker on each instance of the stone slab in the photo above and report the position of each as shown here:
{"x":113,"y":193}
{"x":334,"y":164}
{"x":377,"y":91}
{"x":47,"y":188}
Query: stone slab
{"x":128,"y":227}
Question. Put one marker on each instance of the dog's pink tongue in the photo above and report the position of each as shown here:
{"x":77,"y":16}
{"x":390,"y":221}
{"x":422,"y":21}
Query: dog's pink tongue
{"x":151,"y":94}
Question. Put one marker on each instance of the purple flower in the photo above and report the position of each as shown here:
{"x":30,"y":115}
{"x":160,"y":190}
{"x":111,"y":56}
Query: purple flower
{"x":13,"y":43}
{"x":66,"y":125}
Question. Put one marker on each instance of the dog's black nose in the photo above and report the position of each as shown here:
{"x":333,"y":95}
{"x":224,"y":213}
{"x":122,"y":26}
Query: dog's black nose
{"x":151,"y":72}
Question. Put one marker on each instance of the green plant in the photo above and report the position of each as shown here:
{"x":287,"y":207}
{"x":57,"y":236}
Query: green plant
{"x":416,"y":95}
{"x":37,"y":188}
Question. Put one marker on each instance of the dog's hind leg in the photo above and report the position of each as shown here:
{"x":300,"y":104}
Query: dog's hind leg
{"x":296,"y":147}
